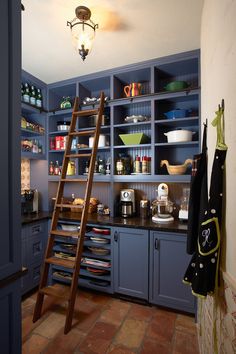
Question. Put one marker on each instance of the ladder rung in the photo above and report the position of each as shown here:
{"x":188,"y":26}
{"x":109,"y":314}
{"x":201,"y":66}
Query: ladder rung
{"x":78,"y":155}
{"x":60,"y":262}
{"x":65,"y":233}
{"x":57,"y":290}
{"x":72,"y":206}
{"x":84,"y":132}
{"x":63,"y":205}
{"x":74,"y":180}
{"x":85,"y":113}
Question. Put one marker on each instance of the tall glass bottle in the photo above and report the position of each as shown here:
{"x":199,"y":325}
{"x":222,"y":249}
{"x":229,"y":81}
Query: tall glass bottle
{"x":39,"y":99}
{"x":32,"y":95}
{"x":26,"y":96}
{"x":22,"y":92}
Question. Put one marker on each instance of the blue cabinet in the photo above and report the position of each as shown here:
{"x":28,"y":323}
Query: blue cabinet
{"x":10,"y":323}
{"x":10,"y":242}
{"x":168,"y":262}
{"x":131,"y":253}
{"x":34,"y":238}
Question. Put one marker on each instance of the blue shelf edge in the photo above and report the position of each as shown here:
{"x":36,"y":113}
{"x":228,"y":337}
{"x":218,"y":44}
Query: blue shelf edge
{"x":31,"y":156}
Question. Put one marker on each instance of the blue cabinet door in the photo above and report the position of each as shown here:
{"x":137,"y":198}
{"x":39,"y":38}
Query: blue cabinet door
{"x":131,"y":250}
{"x":34,"y":238}
{"x":10,"y":322}
{"x":10,"y":239}
{"x":10,"y":73}
{"x":168,"y":262}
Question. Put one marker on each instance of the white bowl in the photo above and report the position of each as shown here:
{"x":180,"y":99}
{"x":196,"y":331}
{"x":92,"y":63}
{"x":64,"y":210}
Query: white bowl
{"x":177,"y":136}
{"x":67,"y":227}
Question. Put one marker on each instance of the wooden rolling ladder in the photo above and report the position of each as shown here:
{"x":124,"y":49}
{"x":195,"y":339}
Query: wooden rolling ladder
{"x":65,"y":292}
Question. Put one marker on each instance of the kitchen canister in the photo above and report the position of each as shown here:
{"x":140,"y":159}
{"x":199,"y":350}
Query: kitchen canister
{"x":101,"y":141}
{"x":144,"y":208}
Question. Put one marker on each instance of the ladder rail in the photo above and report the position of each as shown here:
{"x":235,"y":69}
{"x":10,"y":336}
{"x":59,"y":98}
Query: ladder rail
{"x":56,"y":212}
{"x":84,"y":217}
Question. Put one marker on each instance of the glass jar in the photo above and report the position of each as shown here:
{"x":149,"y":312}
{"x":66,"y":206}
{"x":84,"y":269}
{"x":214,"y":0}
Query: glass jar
{"x":120,"y":166}
{"x":127,"y":164}
{"x":144,"y":164}
{"x":101,"y":166}
{"x":137,"y":164}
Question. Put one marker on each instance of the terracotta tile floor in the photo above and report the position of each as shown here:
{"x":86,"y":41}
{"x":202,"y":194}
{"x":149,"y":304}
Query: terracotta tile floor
{"x":105,"y":324}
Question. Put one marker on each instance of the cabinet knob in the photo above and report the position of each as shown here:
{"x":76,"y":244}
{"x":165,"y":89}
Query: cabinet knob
{"x":157,"y":244}
{"x":116,"y":235}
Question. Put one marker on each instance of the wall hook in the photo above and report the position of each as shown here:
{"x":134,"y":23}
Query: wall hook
{"x":223,"y":104}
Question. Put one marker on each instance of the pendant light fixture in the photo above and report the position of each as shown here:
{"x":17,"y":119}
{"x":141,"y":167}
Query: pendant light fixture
{"x":83,"y":31}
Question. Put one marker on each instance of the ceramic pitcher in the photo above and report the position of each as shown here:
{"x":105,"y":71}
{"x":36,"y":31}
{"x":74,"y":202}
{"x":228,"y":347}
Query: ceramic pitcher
{"x":133,"y":89}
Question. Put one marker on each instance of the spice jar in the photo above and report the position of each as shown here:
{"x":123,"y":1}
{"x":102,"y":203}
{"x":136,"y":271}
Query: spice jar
{"x":144,"y":164}
{"x":137,"y":164}
{"x":144,"y":208}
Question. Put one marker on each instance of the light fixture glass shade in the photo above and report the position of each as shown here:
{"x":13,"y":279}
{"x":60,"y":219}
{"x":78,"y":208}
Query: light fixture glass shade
{"x":82,"y":37}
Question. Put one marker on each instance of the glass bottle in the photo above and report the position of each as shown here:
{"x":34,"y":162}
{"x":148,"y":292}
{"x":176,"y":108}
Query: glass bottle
{"x":26,"y":96}
{"x":39,"y":100}
{"x":127,"y":164}
{"x":96,"y":165}
{"x":22,"y":92}
{"x":51,"y":168}
{"x":101,"y":166}
{"x":32,"y":95}
{"x":57,"y":169}
{"x":86,"y":167}
{"x":149,"y":160}
{"x":120,"y":166}
{"x":108,"y":166}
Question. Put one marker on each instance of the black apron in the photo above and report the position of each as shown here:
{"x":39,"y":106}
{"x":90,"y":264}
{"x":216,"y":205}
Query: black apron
{"x":202,"y":272}
{"x":198,"y":194}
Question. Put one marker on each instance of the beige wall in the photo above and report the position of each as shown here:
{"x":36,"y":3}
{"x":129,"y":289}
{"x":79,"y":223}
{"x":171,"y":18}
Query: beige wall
{"x":218,"y":73}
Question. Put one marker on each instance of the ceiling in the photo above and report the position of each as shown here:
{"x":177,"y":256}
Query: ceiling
{"x":129,"y":31}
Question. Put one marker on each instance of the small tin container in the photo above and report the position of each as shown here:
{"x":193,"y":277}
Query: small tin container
{"x":144,"y":208}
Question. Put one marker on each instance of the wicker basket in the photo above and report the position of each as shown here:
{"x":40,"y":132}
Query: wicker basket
{"x":79,"y":208}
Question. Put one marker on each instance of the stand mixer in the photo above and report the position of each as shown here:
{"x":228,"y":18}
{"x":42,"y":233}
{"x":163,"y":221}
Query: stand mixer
{"x":162,"y":207}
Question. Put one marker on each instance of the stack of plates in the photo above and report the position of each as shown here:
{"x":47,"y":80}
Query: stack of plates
{"x":96,"y":262}
{"x":99,"y":240}
{"x":101,"y":231}
{"x":99,"y":251}
{"x":95,"y":271}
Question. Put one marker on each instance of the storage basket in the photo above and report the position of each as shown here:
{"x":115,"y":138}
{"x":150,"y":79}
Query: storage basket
{"x":79,"y":208}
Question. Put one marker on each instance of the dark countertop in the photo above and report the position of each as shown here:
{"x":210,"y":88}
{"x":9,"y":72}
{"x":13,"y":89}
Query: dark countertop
{"x":34,"y":217}
{"x":175,"y":226}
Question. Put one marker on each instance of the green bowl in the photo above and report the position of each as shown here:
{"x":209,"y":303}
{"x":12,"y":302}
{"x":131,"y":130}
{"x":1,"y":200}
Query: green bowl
{"x":134,"y":138}
{"x":176,"y":85}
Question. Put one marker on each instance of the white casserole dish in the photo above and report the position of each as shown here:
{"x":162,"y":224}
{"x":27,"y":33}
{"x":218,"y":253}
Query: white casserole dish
{"x":177,"y":136}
